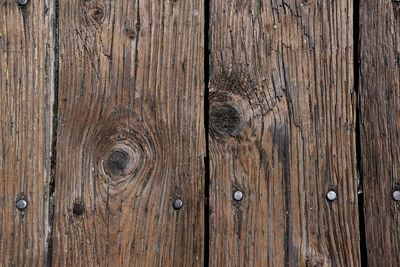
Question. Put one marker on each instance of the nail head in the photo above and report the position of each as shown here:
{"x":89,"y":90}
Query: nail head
{"x":238,"y":195}
{"x":177,"y":204}
{"x":22,"y":2}
{"x":396,"y":195}
{"x":21,"y":204}
{"x":78,"y":209}
{"x":331,"y":195}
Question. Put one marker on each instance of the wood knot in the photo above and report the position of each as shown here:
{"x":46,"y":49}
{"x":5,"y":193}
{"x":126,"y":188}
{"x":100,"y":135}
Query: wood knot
{"x":225,"y":120}
{"x":124,"y":158}
{"x":94,"y":13}
{"x":97,"y":13}
{"x":123,"y":151}
{"x":116,"y":162}
{"x":233,"y":108}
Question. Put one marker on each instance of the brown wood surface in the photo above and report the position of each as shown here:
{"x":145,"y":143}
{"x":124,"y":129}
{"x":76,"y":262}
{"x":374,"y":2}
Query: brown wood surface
{"x":380,"y":128}
{"x":130,"y":134}
{"x":282,"y":120}
{"x":106,"y":100}
{"x":26,"y":96}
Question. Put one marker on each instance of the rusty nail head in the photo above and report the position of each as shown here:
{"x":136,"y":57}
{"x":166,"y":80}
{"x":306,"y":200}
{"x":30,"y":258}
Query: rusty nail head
{"x":177,"y":204}
{"x":21,"y":204}
{"x":396,"y":195}
{"x":331,"y":195}
{"x":22,"y":2}
{"x":238,"y":195}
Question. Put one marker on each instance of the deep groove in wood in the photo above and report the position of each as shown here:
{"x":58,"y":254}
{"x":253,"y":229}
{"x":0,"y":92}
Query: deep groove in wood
{"x":206,"y":127}
{"x":53,"y":159}
{"x":356,"y":30}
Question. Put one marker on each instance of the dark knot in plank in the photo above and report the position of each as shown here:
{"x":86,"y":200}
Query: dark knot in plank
{"x":125,"y":151}
{"x":225,"y":120}
{"x":123,"y":157}
{"x":231,"y":108}
{"x":234,"y":108}
{"x":116,"y":162}
{"x":97,"y":13}
{"x":93,"y":12}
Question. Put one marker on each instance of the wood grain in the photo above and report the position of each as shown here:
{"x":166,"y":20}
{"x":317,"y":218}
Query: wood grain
{"x":130,"y":134}
{"x":380,"y":128}
{"x":282,"y":120}
{"x":26,"y":110}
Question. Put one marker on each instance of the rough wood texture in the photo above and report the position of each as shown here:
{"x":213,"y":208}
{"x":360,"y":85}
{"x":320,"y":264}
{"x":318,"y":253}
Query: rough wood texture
{"x":130,"y":134}
{"x":282,"y":120}
{"x":26,"y":96}
{"x":380,"y":128}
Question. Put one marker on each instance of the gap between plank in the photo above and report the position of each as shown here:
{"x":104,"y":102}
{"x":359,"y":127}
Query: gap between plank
{"x":206,"y":126}
{"x":356,"y":59}
{"x":53,"y":159}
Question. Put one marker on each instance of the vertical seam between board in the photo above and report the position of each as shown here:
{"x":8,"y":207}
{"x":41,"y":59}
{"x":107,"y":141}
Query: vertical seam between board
{"x":356,"y":59}
{"x":53,"y":158}
{"x":206,"y":126}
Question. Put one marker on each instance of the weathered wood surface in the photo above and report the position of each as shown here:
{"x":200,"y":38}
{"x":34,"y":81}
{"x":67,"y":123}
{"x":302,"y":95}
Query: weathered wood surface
{"x":282,"y":120}
{"x":130,"y":134}
{"x":26,"y":95}
{"x":131,"y":137}
{"x":380,"y":128}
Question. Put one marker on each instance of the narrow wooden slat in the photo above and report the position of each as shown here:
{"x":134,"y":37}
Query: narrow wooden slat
{"x":282,"y":120}
{"x":131,"y":136}
{"x":26,"y":110}
{"x":380,"y":128}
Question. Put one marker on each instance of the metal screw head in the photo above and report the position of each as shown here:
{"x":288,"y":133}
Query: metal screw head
{"x":22,"y":2}
{"x":177,"y":204}
{"x":396,"y":195}
{"x":331,"y":195}
{"x":238,"y":195}
{"x":21,"y":204}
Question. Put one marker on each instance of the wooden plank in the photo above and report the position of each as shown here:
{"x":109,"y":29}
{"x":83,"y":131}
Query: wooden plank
{"x":380,"y":128}
{"x":282,"y":120}
{"x":131,"y":137}
{"x":26,"y":97}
